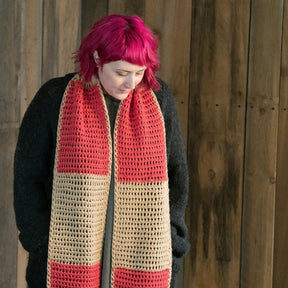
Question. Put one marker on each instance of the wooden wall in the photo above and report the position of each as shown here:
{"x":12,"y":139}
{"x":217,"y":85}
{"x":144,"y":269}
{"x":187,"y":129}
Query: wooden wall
{"x":227,"y":64}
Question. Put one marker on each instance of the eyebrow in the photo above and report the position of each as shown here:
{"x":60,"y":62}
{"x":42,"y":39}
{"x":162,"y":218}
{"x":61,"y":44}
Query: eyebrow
{"x":123,"y":70}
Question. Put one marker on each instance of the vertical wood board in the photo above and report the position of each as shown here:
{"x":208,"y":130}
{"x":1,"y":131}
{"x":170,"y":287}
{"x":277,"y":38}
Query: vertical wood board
{"x":127,"y":7}
{"x":61,"y":37}
{"x":8,"y":230}
{"x":10,"y":32}
{"x":10,"y":51}
{"x":171,"y":22}
{"x":31,"y":55}
{"x":280,"y":263}
{"x":91,"y":11}
{"x":219,"y":50}
{"x":261,"y":144}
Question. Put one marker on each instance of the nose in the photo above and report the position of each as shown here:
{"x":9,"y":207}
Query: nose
{"x":130,"y":82}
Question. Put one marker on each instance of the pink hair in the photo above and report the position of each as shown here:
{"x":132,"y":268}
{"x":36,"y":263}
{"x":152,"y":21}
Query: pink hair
{"x":117,"y":37}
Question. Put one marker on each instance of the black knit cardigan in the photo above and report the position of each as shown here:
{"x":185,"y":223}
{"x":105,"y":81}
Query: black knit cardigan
{"x":33,"y":175}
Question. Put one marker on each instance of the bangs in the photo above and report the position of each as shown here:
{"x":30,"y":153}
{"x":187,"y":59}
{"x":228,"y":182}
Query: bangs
{"x":130,"y":48}
{"x":135,"y":52}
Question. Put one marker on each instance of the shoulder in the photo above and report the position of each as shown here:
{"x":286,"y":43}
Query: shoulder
{"x":53,"y":88}
{"x":48,"y":98}
{"x":165,"y":99}
{"x":164,"y":92}
{"x":45,"y":105}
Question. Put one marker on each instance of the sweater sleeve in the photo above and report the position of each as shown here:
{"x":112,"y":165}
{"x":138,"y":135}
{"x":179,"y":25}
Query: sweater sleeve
{"x":33,"y":167}
{"x":178,"y":176}
{"x":31,"y":173}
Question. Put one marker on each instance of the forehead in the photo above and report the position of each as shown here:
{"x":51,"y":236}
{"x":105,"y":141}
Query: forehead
{"x":124,"y":65}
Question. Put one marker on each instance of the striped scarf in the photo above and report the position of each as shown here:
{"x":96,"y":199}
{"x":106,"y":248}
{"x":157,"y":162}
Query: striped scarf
{"x":141,"y":240}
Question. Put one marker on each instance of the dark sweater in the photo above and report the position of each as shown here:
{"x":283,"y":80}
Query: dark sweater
{"x":33,"y":175}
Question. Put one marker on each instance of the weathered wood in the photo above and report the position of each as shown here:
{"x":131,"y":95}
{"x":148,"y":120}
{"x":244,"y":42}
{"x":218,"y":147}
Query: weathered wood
{"x":8,"y":230}
{"x":219,"y":49}
{"x":21,"y":266}
{"x":10,"y":15}
{"x":280,"y":275}
{"x":261,"y":144}
{"x":91,"y":12}
{"x":171,"y":21}
{"x":127,"y":7}
{"x":10,"y":34}
{"x":61,"y":36}
{"x":31,"y":54}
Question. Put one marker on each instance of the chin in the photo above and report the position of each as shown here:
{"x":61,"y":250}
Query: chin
{"x":120,"y":96}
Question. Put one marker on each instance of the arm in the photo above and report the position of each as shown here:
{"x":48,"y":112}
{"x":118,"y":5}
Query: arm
{"x":33,"y":164}
{"x":32,"y":182}
{"x":32,"y":173}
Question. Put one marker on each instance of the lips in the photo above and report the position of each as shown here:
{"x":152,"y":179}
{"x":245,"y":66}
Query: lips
{"x":124,"y":91}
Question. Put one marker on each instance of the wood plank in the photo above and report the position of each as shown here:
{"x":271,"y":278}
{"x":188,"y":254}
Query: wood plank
{"x":261,"y":143}
{"x":127,"y":7}
{"x":29,"y":81}
{"x":91,"y":12}
{"x":219,"y":50}
{"x":61,"y":36}
{"x":172,"y":20}
{"x":10,"y":32}
{"x":280,"y":275}
{"x":31,"y":56}
{"x":8,"y":234}
{"x":10,"y":51}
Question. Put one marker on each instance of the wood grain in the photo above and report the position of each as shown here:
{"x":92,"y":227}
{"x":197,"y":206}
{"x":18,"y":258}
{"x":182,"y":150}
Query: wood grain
{"x":8,"y":230}
{"x":31,"y":56}
{"x":92,"y":11}
{"x":10,"y":57}
{"x":61,"y":36}
{"x":219,"y":50}
{"x":280,"y":263}
{"x":10,"y":51}
{"x":261,"y":144}
{"x":127,"y":7}
{"x":171,"y":22}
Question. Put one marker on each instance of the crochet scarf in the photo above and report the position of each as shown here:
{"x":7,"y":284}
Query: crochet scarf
{"x":141,"y":240}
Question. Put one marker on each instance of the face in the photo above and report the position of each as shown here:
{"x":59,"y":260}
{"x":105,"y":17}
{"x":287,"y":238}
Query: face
{"x":118,"y":78}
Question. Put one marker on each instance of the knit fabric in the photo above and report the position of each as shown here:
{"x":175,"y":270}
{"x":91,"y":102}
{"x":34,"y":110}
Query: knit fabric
{"x":141,"y":243}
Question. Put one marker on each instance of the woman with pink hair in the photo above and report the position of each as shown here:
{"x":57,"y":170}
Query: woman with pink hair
{"x":101,"y":181}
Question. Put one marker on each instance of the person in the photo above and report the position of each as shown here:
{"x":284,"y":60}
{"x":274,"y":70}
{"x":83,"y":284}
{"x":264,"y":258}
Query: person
{"x":100,"y":172}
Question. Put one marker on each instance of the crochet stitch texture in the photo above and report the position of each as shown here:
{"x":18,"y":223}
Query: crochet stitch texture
{"x":141,"y":245}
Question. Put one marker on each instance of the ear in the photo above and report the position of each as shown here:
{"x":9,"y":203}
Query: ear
{"x":96,"y":57}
